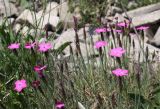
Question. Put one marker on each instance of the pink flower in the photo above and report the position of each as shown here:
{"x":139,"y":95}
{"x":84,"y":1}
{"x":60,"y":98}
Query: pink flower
{"x":108,"y":29}
{"x":122,"y":24}
{"x":59,"y":105}
{"x":117,"y":52}
{"x":120,"y":72}
{"x":30,"y":45}
{"x":36,"y":84}
{"x":14,"y":46}
{"x":101,"y":30}
{"x":39,"y":70}
{"x":142,"y":27}
{"x":100,"y":44}
{"x":44,"y":47}
{"x":20,"y":85}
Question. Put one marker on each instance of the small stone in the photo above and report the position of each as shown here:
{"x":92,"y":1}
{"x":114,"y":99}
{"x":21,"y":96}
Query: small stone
{"x":17,"y":27}
{"x":132,"y":5}
{"x":156,"y":40}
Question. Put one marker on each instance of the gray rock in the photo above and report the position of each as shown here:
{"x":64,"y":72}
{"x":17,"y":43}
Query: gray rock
{"x":39,"y":19}
{"x":156,"y":40}
{"x":132,"y":4}
{"x":25,"y":30}
{"x":150,"y":18}
{"x":8,"y":22}
{"x":53,"y":20}
{"x":69,"y":36}
{"x":88,"y":49}
{"x":149,"y":33}
{"x":13,"y":1}
{"x":148,"y":15}
{"x":143,"y":10}
{"x":7,"y":9}
{"x":28,"y":16}
{"x":120,"y":18}
{"x":140,"y":48}
{"x":66,"y":17}
{"x":113,"y":10}
{"x":52,"y":8}
{"x":63,"y":11}
{"x":17,"y":27}
{"x":116,"y":10}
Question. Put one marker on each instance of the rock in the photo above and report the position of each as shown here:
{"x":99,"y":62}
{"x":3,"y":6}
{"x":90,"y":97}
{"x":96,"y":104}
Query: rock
{"x":142,"y":16}
{"x":61,"y":1}
{"x":137,"y":49}
{"x":13,"y":1}
{"x":53,"y":20}
{"x":50,"y":15}
{"x":67,"y":17}
{"x":63,"y":11}
{"x":69,"y":36}
{"x":132,"y":4}
{"x":17,"y":27}
{"x":149,"y":33}
{"x":25,"y":30}
{"x":26,"y":15}
{"x":39,"y":19}
{"x":52,"y":8}
{"x":8,"y":22}
{"x":119,"y":17}
{"x":116,"y":10}
{"x":32,"y":32}
{"x":7,"y":9}
{"x":40,"y":14}
{"x":143,"y":10}
{"x":113,"y":10}
{"x":156,"y":40}
{"x":150,"y":18}
{"x":148,"y":15}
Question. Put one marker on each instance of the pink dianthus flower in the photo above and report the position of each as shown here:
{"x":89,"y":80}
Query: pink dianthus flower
{"x":20,"y":85}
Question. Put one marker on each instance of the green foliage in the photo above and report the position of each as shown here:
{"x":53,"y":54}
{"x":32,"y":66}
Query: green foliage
{"x":90,"y":10}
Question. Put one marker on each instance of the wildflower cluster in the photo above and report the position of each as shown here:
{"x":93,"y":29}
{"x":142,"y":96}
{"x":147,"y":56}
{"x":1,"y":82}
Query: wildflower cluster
{"x":42,"y":47}
{"x":118,"y":51}
{"x":21,"y":84}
